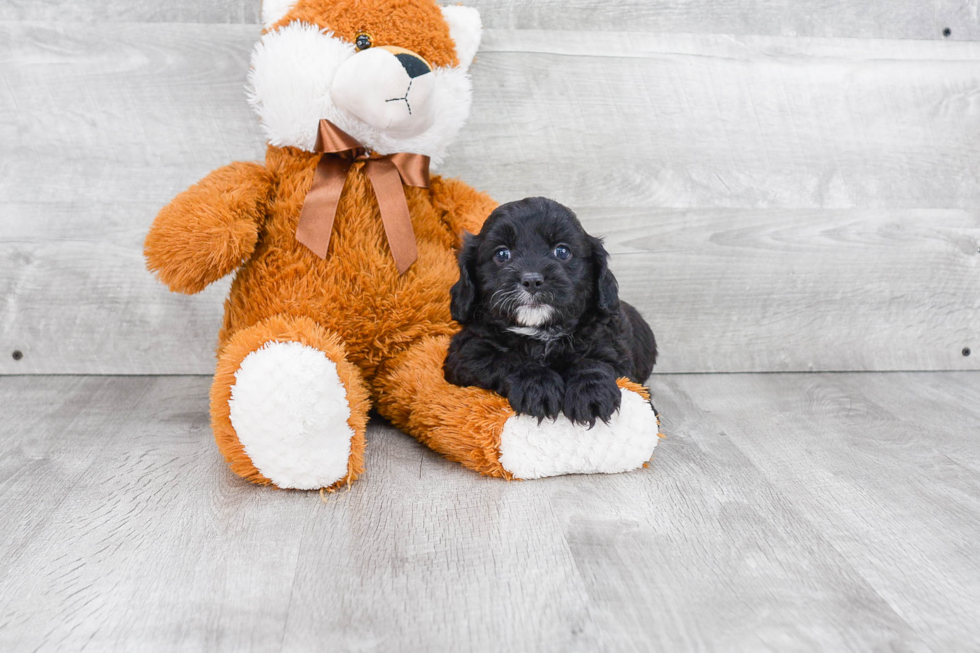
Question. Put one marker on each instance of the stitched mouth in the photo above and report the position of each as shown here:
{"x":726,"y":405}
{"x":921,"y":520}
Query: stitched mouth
{"x":404,"y":98}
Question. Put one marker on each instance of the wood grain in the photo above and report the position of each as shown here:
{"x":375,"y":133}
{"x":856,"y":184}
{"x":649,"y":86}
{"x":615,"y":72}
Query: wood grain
{"x":725,"y":290}
{"x":134,"y":11}
{"x":773,"y":203}
{"x":898,"y":19}
{"x":902,"y":19}
{"x":762,"y":290}
{"x":126,"y":520}
{"x":121,"y":113}
{"x":102,"y":126}
{"x":888,"y":477}
{"x":679,"y":121}
{"x":76,"y":297}
{"x":815,"y":512}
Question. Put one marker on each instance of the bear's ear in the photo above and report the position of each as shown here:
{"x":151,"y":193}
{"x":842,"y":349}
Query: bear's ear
{"x":274,"y":10}
{"x":465,"y":28}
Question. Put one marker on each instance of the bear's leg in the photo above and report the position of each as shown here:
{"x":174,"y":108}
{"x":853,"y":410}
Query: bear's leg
{"x":479,"y":429}
{"x":288,"y":408}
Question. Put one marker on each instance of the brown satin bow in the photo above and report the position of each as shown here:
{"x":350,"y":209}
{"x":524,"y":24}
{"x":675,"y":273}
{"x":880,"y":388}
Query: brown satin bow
{"x":339,"y":151}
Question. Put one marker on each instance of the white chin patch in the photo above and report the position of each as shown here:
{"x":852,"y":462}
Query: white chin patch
{"x":534,"y":316}
{"x":294,"y":69}
{"x":290,"y":411}
{"x":531,"y":450}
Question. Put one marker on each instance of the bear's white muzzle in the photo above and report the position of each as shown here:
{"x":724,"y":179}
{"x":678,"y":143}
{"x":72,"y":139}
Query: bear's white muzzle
{"x":388,"y":88}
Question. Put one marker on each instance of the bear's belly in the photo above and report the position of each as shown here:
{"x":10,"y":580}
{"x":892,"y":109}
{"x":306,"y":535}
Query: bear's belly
{"x":356,"y":290}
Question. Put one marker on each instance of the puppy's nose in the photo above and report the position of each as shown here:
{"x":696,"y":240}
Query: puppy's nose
{"x":532,"y":280}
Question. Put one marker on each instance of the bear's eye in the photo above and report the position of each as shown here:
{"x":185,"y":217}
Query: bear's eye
{"x":563,"y":253}
{"x":501,"y":255}
{"x":363,"y":41}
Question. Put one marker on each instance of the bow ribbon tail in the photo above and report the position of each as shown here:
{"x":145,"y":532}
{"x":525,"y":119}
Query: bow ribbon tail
{"x":387,"y":182}
{"x":320,"y":207}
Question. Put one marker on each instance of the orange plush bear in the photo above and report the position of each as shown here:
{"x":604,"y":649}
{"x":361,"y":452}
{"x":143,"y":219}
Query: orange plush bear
{"x":343,"y":249}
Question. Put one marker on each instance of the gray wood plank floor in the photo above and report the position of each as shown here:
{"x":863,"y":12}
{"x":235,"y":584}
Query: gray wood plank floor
{"x":784,"y":512}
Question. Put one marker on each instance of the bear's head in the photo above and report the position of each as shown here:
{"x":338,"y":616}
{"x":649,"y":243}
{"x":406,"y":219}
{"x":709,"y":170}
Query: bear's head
{"x":391,"y":73}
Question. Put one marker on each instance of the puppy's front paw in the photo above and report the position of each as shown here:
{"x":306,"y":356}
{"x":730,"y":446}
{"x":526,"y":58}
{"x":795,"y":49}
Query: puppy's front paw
{"x":537,"y":391}
{"x":590,"y":398}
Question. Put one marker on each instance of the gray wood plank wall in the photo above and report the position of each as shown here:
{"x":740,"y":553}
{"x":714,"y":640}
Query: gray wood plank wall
{"x":784,"y":186}
{"x":898,"y":19}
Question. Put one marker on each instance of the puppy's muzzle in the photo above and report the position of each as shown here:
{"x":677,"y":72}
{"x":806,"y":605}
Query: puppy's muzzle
{"x":389,"y":88}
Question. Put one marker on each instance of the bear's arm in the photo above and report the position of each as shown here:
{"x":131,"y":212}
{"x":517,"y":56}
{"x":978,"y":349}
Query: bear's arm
{"x":462,"y":208}
{"x":210,"y":229}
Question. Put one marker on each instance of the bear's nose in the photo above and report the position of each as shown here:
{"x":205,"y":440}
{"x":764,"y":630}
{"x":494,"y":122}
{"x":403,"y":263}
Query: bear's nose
{"x":413,"y":65}
{"x":532,"y":280}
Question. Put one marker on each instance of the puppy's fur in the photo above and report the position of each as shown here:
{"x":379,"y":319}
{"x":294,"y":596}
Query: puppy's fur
{"x":544,"y":330}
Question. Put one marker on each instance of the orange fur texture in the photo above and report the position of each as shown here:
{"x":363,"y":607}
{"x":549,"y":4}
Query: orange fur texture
{"x":207,"y":231}
{"x":416,"y":26}
{"x":462,"y":424}
{"x":353,"y":305}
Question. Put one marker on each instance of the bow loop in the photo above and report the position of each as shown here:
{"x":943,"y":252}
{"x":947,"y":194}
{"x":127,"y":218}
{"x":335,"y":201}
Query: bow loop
{"x":339,"y":151}
{"x":330,"y":139}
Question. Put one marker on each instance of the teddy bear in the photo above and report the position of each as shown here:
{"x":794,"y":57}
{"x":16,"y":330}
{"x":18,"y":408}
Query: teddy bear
{"x":342,"y":245}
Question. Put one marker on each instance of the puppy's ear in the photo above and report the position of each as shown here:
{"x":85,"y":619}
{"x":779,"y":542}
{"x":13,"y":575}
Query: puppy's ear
{"x":607,"y":288}
{"x":464,"y":293}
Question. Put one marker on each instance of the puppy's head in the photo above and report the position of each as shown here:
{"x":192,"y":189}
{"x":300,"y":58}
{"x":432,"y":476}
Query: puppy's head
{"x":532,"y":265}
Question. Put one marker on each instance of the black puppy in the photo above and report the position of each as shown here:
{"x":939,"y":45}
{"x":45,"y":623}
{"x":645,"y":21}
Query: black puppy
{"x":542,"y":321}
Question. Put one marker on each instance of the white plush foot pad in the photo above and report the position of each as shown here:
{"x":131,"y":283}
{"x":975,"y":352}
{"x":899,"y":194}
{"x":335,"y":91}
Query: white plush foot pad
{"x":552,"y":448}
{"x":289,"y":409}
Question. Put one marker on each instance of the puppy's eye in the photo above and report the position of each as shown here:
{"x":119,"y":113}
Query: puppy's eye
{"x":363,"y":41}
{"x":501,"y":255}
{"x":563,"y":253}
